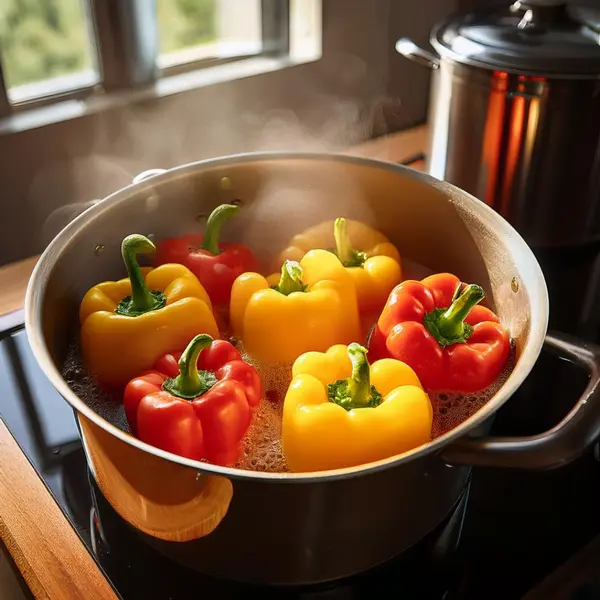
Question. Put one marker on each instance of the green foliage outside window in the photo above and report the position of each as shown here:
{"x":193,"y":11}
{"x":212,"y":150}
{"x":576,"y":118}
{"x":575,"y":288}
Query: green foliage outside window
{"x":41,"y":39}
{"x":186,"y":23}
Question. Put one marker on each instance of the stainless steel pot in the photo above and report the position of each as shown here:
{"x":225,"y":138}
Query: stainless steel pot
{"x":514,"y":115}
{"x":304,"y":527}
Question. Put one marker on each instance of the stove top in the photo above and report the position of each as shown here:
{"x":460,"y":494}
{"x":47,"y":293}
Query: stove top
{"x":509,"y":532}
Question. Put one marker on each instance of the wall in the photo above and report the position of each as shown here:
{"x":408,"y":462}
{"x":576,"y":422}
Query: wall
{"x":48,"y":172}
{"x":409,"y":82}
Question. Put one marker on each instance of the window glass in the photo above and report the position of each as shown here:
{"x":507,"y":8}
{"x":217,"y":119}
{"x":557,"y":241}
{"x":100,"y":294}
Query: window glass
{"x":45,"y":47}
{"x":192,"y":30}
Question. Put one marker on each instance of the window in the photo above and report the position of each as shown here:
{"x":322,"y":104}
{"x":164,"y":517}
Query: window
{"x":57,"y":49}
{"x":195,"y":30}
{"x":46,"y":47}
{"x":305,"y":28}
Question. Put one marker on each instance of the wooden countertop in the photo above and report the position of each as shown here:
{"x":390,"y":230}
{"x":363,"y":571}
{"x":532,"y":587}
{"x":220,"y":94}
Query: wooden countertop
{"x":48,"y":552}
{"x":13,"y":283}
{"x":394,"y":148}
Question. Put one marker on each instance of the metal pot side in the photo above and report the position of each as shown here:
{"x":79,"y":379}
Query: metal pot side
{"x":509,"y":140}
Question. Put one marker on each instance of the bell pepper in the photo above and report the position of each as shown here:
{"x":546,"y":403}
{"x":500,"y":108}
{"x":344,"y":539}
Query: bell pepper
{"x":197,"y":403}
{"x":127,"y":325}
{"x":375,"y":273}
{"x":436,"y":326}
{"x":216,"y":264}
{"x":375,"y":270}
{"x":341,"y":412}
{"x":311,"y":306}
{"x":369,"y":240}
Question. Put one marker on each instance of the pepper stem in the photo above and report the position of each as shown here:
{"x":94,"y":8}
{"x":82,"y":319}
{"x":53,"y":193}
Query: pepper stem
{"x":213,"y":226}
{"x":448,"y":325}
{"x":291,"y":278}
{"x":356,"y":391}
{"x":348,"y":256}
{"x":142,"y":300}
{"x":191,"y":383}
{"x":359,"y":384}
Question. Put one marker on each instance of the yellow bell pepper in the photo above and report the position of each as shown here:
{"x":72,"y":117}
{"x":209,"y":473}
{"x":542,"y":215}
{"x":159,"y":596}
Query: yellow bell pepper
{"x":371,"y":241}
{"x":376,"y":268}
{"x":125,"y":327}
{"x":311,"y":307}
{"x":339,"y":412}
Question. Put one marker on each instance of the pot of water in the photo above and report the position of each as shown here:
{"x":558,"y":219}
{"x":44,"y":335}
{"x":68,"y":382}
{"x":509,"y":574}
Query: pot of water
{"x":513,"y":114}
{"x":258,"y":521}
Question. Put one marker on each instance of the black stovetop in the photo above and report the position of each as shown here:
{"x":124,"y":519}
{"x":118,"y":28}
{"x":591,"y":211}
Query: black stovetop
{"x":510,"y":531}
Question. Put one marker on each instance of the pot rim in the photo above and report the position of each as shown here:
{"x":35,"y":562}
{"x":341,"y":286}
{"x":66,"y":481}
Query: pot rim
{"x":530,"y":271}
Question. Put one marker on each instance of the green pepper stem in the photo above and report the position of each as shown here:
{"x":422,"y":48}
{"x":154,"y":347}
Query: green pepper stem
{"x":132,"y":245}
{"x":291,"y":278}
{"x":142,"y":300}
{"x":191,"y":383}
{"x":447,"y":325}
{"x":343,"y":247}
{"x":348,"y":256}
{"x":457,"y":291}
{"x":356,"y":391}
{"x":451,"y":323}
{"x":359,"y":383}
{"x":215,"y":221}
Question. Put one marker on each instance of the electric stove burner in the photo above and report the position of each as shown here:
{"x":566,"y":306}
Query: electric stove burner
{"x":425,"y":572}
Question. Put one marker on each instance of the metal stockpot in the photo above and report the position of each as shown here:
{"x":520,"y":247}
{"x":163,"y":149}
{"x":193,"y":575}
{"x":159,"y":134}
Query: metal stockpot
{"x":514,"y":115}
{"x":296,"y":528}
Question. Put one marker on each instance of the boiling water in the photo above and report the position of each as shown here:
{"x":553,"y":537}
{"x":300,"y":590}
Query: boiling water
{"x":450,"y":409}
{"x":262,"y":445}
{"x":109,"y":407}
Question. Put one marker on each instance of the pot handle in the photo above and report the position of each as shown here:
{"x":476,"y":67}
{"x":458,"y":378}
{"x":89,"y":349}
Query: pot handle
{"x":147,"y":175}
{"x":410,"y":50}
{"x":555,"y":447}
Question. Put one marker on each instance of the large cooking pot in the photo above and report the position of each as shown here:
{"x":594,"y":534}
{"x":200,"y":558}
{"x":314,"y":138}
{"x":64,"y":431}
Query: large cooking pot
{"x":304,"y":527}
{"x":514,"y":117}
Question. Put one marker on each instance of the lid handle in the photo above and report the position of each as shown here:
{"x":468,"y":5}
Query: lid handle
{"x":533,"y":3}
{"x":541,"y":13}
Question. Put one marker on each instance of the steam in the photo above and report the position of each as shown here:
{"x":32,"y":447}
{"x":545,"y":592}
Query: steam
{"x":120,"y":144}
{"x":91,"y":179}
{"x":61,"y":217}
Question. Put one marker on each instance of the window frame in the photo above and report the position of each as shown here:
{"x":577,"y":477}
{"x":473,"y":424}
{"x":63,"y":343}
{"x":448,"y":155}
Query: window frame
{"x":5,"y":105}
{"x":125,"y":57}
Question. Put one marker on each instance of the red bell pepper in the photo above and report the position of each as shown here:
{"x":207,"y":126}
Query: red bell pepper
{"x":197,"y":403}
{"x":436,"y":327}
{"x":216,"y":264}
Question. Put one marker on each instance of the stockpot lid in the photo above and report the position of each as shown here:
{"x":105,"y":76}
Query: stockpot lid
{"x":534,"y":37}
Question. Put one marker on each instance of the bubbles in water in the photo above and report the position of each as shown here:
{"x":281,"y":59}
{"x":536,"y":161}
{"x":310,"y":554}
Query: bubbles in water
{"x":262,"y":449}
{"x":82,"y":383}
{"x":452,"y":409}
{"x":262,"y":444}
